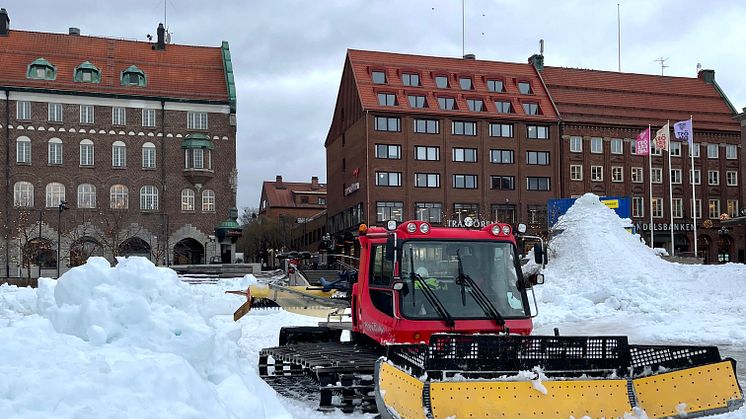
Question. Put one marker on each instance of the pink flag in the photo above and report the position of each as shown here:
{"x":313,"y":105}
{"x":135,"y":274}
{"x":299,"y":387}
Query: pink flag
{"x":642,"y":143}
{"x":663,"y":137}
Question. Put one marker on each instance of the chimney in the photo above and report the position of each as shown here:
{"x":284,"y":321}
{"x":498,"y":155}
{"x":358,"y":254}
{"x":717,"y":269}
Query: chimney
{"x":161,"y":37}
{"x":278,"y":182}
{"x":74,"y":31}
{"x":315,"y":183}
{"x":537,"y":60}
{"x":470,"y":57}
{"x":708,"y":76}
{"x":4,"y":22}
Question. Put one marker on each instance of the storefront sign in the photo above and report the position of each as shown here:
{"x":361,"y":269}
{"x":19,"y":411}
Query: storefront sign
{"x":352,"y":188}
{"x":665,"y":227}
{"x":611,"y":203}
{"x":468,"y":222}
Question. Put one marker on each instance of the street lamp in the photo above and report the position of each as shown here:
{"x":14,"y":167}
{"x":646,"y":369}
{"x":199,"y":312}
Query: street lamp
{"x":63,"y":206}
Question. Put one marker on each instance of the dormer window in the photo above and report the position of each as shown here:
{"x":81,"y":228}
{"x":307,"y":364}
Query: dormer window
{"x":465,"y":83}
{"x":494,"y":85}
{"x":378,"y":76}
{"x":41,"y":69}
{"x":531,"y":109}
{"x":441,"y":82}
{"x":87,"y":73}
{"x":525,"y":88}
{"x":133,"y":76}
{"x":410,"y":79}
{"x":387,"y":99}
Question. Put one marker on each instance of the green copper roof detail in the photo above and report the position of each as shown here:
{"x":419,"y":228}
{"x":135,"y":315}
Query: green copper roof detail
{"x":41,"y":69}
{"x":88,"y":71}
{"x":228,"y":69}
{"x":192,"y":141}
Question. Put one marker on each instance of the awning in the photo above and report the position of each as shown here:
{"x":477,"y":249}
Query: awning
{"x":192,"y":141}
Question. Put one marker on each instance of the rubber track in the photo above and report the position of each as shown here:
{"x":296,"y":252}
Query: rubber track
{"x":338,"y":374}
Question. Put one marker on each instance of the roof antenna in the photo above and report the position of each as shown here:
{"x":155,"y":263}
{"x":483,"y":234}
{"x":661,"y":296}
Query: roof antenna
{"x":541,"y":47}
{"x":662,"y":61}
{"x":699,"y":67}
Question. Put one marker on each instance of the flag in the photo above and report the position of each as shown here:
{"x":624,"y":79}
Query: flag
{"x":662,"y":137}
{"x":682,"y":131}
{"x":642,"y":143}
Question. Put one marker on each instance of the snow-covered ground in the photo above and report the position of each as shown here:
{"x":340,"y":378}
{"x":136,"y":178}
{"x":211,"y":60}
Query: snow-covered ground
{"x":134,"y":341}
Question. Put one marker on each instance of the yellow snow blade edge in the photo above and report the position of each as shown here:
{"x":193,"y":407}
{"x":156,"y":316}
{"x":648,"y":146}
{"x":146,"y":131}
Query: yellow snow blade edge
{"x":707,"y":389}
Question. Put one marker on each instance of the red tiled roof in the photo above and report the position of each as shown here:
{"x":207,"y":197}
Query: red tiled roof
{"x":605,"y":97}
{"x":284,"y":196}
{"x":179,"y":71}
{"x":394,"y":64}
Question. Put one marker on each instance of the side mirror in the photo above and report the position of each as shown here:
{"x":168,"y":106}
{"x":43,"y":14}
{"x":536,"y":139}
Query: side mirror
{"x":390,"y":248}
{"x":539,"y":256}
{"x":536,"y":279}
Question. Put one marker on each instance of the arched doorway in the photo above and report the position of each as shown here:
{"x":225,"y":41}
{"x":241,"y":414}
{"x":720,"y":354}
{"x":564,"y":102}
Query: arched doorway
{"x":83,"y":248}
{"x":188,"y":252}
{"x":724,"y":248}
{"x":134,"y":246}
{"x":703,"y":247}
{"x":39,"y":252}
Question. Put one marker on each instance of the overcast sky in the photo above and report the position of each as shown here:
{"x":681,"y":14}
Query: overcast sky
{"x":288,"y":55}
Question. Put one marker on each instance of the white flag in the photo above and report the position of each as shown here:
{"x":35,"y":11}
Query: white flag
{"x":662,"y":138}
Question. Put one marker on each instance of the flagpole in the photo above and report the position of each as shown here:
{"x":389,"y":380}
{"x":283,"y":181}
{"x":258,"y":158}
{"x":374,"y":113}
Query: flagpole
{"x":694,"y":196}
{"x":650,"y":183}
{"x":670,"y":189}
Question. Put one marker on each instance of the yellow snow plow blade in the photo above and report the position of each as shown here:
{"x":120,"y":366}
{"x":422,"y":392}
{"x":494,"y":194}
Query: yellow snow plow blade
{"x":299,"y":299}
{"x":576,"y":377}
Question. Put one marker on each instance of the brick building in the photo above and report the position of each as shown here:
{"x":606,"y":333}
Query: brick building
{"x":138,"y":138}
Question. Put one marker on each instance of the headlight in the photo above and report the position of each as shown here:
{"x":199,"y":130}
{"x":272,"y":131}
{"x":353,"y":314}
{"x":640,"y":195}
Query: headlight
{"x":411,"y":227}
{"x":424,"y":228}
{"x":506,"y":230}
{"x":495,"y":230}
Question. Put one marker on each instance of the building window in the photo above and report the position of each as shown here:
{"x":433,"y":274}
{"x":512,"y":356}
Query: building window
{"x":118,"y":154}
{"x":86,"y":114}
{"x":198,"y":158}
{"x":148,"y":156}
{"x":496,"y":86}
{"x":537,"y":183}
{"x":694,"y":148}
{"x":387,"y":151}
{"x":86,"y":153}
{"x":465,"y":154}
{"x":441,"y":82}
{"x":54,"y":112}
{"x":540,"y":158}
{"x":465,"y":83}
{"x":475,"y":105}
{"x":503,"y":213}
{"x":426,"y":126}
{"x":149,"y":198}
{"x":148,"y":118}
{"x":503,"y":106}
{"x":638,"y":206}
{"x":731,"y":178}
{"x":389,"y":210}
{"x":133,"y":76}
{"x":537,"y":131}
{"x":633,"y":147}
{"x":465,"y":181}
{"x":388,"y":178}
{"x":322,"y":201}
{"x":696,"y":179}
{"x":537,"y":214}
{"x":617,"y":174}
{"x":387,"y":99}
{"x":676,"y":176}
{"x":447,"y":103}
{"x":427,"y":180}
{"x":86,"y":196}
{"x":87,"y":73}
{"x":383,"y":123}
{"x":697,"y":208}
{"x":617,"y":146}
{"x":637,"y":176}
{"x":713,"y":177}
{"x":531,"y":109}
{"x":55,"y":194}
{"x":378,"y":77}
{"x":501,"y":156}
{"x":23,"y":194}
{"x":525,"y":88}
{"x":657,"y":208}
{"x":187,"y":200}
{"x":576,"y":172}
{"x":461,"y":211}
{"x":464,"y":128}
{"x":597,"y":145}
{"x":118,"y":197}
{"x":713,"y":208}
{"x":208,"y":200}
{"x":656,"y":175}
{"x":675,"y":149}
{"x":731,"y":151}
{"x":655,"y":151}
{"x":118,"y":116}
{"x":426,"y":153}
{"x":678,"y":208}
{"x":732,"y":208}
{"x":41,"y":69}
{"x":417,"y":101}
{"x":432,"y":212}
{"x":712,"y":151}
{"x":501,"y":130}
{"x":197,"y":120}
{"x":410,"y":79}
{"x":23,"y":150}
{"x":55,"y":151}
{"x":502,"y":183}
{"x":23,"y":110}
{"x":576,"y":144}
{"x":597,"y":173}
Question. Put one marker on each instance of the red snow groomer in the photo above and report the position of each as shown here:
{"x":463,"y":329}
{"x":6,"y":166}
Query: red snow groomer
{"x":438,"y":325}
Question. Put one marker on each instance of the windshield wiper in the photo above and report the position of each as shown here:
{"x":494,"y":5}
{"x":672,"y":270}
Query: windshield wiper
{"x":479,"y":296}
{"x":430,"y":296}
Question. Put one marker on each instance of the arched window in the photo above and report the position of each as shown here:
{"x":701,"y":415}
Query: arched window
{"x":87,"y":73}
{"x":86,"y":196}
{"x":187,"y":200}
{"x":148,"y":156}
{"x":55,"y":151}
{"x":41,"y":69}
{"x":208,"y":200}
{"x":86,"y":153}
{"x":118,"y":197}
{"x":23,"y":150}
{"x":55,"y":194}
{"x":118,"y":154}
{"x":149,"y":198}
{"x":23,"y":194}
{"x":133,"y":76}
